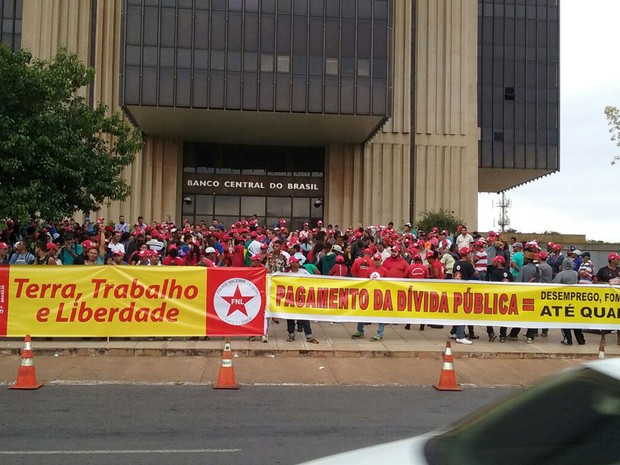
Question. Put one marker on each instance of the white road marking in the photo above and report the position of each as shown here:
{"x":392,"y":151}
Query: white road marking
{"x":92,"y":452}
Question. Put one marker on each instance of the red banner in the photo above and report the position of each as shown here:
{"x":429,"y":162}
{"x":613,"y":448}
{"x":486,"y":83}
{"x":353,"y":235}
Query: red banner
{"x":235,"y":301}
{"x":116,"y":301}
{"x":4,"y":299}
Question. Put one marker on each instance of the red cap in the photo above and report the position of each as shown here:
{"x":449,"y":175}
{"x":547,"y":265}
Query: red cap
{"x":4,"y":245}
{"x":51,"y":246}
{"x":464,"y":250}
{"x":499,"y":259}
{"x":377,"y":256}
{"x":367,"y":251}
{"x":88,"y":245}
{"x":256,"y":258}
{"x":339,"y":259}
{"x":543,"y":255}
{"x":613,"y":256}
{"x":431,"y":254}
{"x":293,"y":259}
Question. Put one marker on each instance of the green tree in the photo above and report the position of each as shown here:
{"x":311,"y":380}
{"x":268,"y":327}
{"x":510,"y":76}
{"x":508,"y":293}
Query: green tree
{"x":613,"y":119}
{"x":443,"y":219}
{"x":57,"y":155}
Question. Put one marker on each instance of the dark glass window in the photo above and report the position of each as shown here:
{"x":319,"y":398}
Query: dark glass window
{"x":517,"y":46}
{"x":303,"y":55}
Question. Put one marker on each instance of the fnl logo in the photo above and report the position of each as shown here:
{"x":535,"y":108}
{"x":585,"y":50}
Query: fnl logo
{"x":237,"y":301}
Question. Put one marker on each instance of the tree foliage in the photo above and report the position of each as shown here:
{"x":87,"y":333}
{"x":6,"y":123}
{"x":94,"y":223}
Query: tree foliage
{"x":57,"y":155}
{"x":443,"y":219}
{"x":613,"y":119}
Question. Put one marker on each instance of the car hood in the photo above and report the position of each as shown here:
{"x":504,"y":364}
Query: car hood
{"x":404,"y":452}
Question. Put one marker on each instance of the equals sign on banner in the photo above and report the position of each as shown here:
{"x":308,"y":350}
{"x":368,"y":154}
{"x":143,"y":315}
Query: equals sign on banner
{"x":528,"y":305}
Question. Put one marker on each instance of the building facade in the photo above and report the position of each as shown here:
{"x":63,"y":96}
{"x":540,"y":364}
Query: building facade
{"x":350,"y":111}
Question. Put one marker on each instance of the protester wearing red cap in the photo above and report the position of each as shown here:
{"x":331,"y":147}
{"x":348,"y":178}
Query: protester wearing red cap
{"x":117,"y":259}
{"x":499,"y":273}
{"x":396,"y":265}
{"x":435,"y":268}
{"x":256,"y":261}
{"x":4,"y":253}
{"x":377,"y":271}
{"x":339,"y":268}
{"x":417,"y":270}
{"x":45,"y":252}
{"x":610,"y":273}
{"x":555,"y":258}
{"x":361,"y":266}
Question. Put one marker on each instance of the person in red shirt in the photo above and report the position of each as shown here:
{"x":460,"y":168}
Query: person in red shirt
{"x":396,"y":265}
{"x":362,"y":265}
{"x":239,"y":253}
{"x":228,"y":247}
{"x":435,"y":267}
{"x":377,"y":270}
{"x":256,"y":261}
{"x":339,"y":268}
{"x":417,"y":270}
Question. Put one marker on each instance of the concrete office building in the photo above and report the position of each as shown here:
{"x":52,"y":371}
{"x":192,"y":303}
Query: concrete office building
{"x":351,"y":111}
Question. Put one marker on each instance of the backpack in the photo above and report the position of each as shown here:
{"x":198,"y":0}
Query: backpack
{"x":537,"y":277}
{"x":25,"y":259}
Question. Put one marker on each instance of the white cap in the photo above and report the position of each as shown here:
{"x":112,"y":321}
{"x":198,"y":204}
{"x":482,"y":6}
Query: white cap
{"x":210,"y":250}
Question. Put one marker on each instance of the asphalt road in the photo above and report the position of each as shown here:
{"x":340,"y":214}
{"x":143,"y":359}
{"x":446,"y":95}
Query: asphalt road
{"x":137,"y":424}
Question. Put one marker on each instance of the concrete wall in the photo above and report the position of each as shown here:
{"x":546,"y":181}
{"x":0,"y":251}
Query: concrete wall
{"x":50,"y":24}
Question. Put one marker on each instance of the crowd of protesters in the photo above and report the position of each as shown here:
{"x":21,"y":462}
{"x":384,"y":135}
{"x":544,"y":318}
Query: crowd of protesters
{"x":365,"y":252}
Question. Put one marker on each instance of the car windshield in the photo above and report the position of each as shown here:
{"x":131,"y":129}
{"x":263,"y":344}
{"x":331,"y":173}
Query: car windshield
{"x":571,"y":419}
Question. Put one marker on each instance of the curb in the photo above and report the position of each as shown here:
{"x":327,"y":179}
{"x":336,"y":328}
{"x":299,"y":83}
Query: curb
{"x":273,"y":353}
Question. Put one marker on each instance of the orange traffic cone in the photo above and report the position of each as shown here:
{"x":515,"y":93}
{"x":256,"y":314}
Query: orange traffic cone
{"x":447,"y":377}
{"x":226,"y":377}
{"x":26,"y":378}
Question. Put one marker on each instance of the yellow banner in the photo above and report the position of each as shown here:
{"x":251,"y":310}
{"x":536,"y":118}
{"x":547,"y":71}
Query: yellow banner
{"x":106,"y":301}
{"x":446,"y":301}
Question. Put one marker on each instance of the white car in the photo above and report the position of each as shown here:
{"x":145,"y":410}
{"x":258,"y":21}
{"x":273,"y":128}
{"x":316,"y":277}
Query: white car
{"x":572,"y":418}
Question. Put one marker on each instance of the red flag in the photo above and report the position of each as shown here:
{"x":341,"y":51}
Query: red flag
{"x":235,"y":301}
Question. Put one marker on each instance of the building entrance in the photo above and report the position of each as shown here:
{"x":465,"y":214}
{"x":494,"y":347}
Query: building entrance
{"x":235,"y":182}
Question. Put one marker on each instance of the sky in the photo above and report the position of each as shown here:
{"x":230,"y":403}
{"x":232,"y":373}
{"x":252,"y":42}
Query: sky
{"x":582,"y":197}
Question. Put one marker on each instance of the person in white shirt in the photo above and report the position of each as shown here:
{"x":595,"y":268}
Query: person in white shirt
{"x":464,"y":239}
{"x":115,"y":245}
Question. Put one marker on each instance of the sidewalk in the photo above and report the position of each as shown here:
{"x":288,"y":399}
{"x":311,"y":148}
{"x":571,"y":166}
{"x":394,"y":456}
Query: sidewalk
{"x":401,"y":358}
{"x":334,"y":341}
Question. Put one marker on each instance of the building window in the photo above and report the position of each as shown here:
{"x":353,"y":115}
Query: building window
{"x":266,"y":63}
{"x":284,"y":63}
{"x":331,"y":66}
{"x":363,"y":67}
